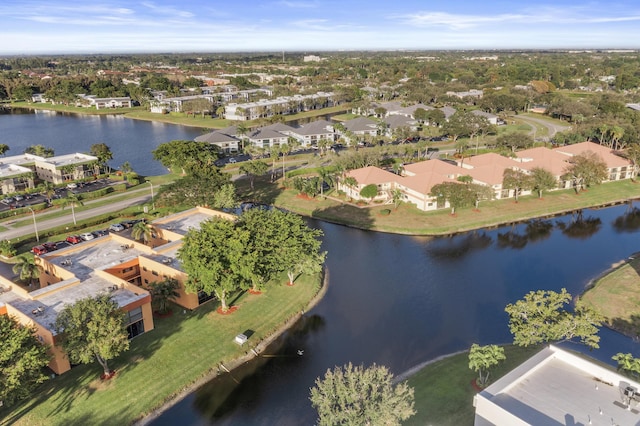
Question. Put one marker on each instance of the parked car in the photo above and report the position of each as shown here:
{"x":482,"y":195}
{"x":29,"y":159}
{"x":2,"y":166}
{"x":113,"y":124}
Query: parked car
{"x":74,"y":239}
{"x":100,"y":233}
{"x":50,"y":246}
{"x":129,"y":223}
{"x":232,"y":160}
{"x":71,"y":186}
{"x":39,"y":250}
{"x":116,"y":227}
{"x":87,"y":236}
{"x":19,"y":197}
{"x":8,"y":200}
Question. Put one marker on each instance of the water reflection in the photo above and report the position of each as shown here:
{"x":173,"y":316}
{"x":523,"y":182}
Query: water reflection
{"x":246,"y":384}
{"x":629,"y":221}
{"x":453,"y":248}
{"x":580,"y":227}
{"x":534,"y":231}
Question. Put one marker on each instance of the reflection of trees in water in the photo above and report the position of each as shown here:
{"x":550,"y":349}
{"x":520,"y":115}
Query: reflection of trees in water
{"x":535,"y":230}
{"x":629,"y":221}
{"x":241,"y":386}
{"x":457,"y":246}
{"x":579,"y":227}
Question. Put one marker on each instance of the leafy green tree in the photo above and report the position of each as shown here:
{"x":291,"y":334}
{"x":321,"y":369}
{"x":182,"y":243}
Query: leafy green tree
{"x":456,"y":194}
{"x":103,"y":152}
{"x":48,"y":189}
{"x":586,"y":169}
{"x":517,"y":180}
{"x":300,"y":247}
{"x":369,"y":191}
{"x":396,"y":197}
{"x":458,"y":125}
{"x":188,"y":156}
{"x":421,"y":115}
{"x":93,"y":329}
{"x":216,"y":260}
{"x":27,"y":269}
{"x":357,"y":396}
{"x":4,"y":148}
{"x":542,"y":180}
{"x":225,"y":197}
{"x":482,"y":358}
{"x":628,"y":363}
{"x":162,"y":292}
{"x":252,"y":169}
{"x":541,"y":317}
{"x":195,"y":190}
{"x":633,"y":155}
{"x":22,"y":360}
{"x":141,"y":231}
{"x":7,"y":249}
{"x":514,"y":140}
{"x":72,"y":200}
{"x":39,"y":150}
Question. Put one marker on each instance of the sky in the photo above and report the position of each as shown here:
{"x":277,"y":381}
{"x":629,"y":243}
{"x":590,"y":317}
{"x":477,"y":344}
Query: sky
{"x":128,"y":26}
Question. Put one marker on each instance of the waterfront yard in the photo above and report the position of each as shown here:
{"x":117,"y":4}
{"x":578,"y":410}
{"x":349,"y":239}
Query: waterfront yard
{"x":407,"y":219}
{"x":182,"y":349}
{"x":616,"y":296}
{"x":444,"y":391}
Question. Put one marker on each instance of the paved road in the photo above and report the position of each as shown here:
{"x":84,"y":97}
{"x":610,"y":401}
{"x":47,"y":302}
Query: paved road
{"x":552,"y":128}
{"x":135,"y":199}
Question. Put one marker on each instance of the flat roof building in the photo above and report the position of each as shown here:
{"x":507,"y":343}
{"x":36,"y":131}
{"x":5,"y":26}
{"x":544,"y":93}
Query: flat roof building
{"x":556,"y":387}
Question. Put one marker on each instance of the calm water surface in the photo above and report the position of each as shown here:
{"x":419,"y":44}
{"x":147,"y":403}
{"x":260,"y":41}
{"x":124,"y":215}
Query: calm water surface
{"x":129,"y":140}
{"x":400,"y":300}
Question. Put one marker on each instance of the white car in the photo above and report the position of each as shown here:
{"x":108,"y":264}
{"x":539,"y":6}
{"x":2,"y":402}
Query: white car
{"x":71,"y":186}
{"x":232,"y":160}
{"x":116,"y":227}
{"x":87,"y":236}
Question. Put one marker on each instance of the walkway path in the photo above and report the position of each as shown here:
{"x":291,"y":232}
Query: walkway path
{"x":552,"y":128}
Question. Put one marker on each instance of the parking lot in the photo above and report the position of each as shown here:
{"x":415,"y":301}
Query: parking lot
{"x":13,"y":202}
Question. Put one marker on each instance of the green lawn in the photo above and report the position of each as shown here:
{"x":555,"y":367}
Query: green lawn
{"x":408,"y":219}
{"x":444,"y":391}
{"x":180,"y":350}
{"x":615,"y":295}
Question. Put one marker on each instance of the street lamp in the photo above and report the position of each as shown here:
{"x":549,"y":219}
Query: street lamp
{"x":153,"y":205}
{"x":35,"y":225}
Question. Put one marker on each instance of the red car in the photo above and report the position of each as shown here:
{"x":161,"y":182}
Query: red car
{"x":39,"y":250}
{"x":74,"y":239}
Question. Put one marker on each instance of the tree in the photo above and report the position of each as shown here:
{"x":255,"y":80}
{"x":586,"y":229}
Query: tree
{"x":482,"y":358}
{"x":201,"y":189}
{"x":542,"y":180}
{"x":7,"y":249}
{"x":48,"y":189}
{"x":358,"y":396}
{"x":225,"y":197}
{"x":585,"y":170}
{"x":633,"y":155}
{"x":541,"y":317}
{"x":514,"y":140}
{"x":456,"y":194}
{"x":517,"y":180}
{"x":215,"y":259}
{"x":93,"y":328}
{"x":103,"y":152}
{"x":27,"y":269}
{"x":396,"y":197}
{"x":39,"y":150}
{"x":458,"y":125}
{"x":628,"y":363}
{"x":369,"y":191}
{"x":4,"y":148}
{"x":252,"y":169}
{"x":72,"y":200}
{"x":22,"y":359}
{"x":188,"y":156}
{"x":141,"y":231}
{"x":301,"y":247}
{"x":162,"y":292}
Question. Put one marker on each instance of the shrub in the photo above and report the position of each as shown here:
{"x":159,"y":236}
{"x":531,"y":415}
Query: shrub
{"x":385,"y":212}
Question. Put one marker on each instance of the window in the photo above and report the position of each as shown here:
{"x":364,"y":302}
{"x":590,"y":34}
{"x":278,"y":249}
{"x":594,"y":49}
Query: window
{"x":133,"y":315}
{"x":146,"y":281}
{"x":127,"y":269}
{"x":154,"y":273}
{"x":144,"y":268}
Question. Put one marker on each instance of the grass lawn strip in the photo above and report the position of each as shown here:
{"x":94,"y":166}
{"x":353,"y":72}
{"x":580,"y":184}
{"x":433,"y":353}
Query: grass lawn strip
{"x":616,"y":295}
{"x":181,"y":350}
{"x":443,"y":389}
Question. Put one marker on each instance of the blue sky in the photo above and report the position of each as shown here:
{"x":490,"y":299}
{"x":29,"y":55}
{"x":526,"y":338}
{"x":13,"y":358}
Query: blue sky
{"x":110,"y":26}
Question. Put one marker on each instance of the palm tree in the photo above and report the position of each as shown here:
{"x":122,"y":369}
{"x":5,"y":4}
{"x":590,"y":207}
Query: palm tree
{"x":48,"y":189}
{"x":72,"y":200}
{"x":141,"y":231}
{"x":163,"y":291}
{"x":27,"y":269}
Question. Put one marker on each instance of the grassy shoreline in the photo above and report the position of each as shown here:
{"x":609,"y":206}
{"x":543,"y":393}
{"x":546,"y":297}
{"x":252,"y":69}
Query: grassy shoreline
{"x":158,"y":358}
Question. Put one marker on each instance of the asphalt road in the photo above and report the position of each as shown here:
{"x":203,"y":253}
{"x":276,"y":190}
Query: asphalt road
{"x":552,"y":128}
{"x":13,"y":233}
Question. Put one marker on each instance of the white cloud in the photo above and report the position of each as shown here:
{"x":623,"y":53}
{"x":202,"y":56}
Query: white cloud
{"x":298,"y":4}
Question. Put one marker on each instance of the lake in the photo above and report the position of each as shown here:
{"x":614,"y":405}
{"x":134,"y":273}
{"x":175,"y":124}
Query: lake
{"x":129,"y":140}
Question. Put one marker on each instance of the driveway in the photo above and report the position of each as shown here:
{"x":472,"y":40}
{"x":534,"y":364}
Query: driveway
{"x":552,"y":128}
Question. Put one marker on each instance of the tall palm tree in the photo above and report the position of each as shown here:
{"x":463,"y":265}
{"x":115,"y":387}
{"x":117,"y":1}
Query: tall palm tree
{"x":48,"y":189}
{"x":27,"y":269}
{"x":72,"y":200}
{"x":141,"y":231}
